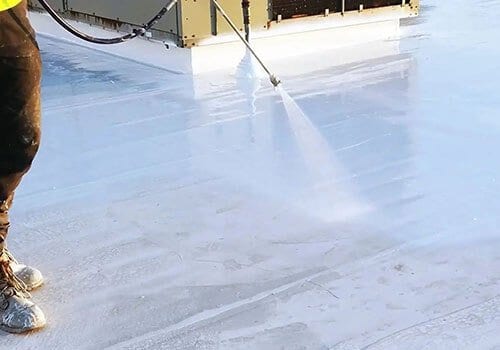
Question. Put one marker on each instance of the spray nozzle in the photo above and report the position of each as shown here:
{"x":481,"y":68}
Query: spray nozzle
{"x":274,"y":80}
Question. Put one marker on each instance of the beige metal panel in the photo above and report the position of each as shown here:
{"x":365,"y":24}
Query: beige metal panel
{"x":258,"y":15}
{"x":128,"y":11}
{"x":195,"y":20}
{"x":56,"y":4}
{"x":234,"y":11}
{"x":415,"y":4}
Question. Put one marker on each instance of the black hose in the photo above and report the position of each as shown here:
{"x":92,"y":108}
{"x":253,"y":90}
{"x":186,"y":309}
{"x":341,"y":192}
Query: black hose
{"x":105,"y":41}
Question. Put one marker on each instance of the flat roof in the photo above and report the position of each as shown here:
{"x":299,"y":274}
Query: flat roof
{"x":177,"y":212}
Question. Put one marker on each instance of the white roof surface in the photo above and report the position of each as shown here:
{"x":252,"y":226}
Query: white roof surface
{"x":170,"y":212}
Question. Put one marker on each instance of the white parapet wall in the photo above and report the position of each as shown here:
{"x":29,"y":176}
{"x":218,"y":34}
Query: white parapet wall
{"x":283,"y":41}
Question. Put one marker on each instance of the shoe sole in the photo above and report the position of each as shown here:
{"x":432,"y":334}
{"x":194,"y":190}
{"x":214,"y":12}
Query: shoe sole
{"x":19,"y":331}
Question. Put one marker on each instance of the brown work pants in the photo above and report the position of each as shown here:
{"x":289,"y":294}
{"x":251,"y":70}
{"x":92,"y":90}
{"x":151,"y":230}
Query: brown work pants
{"x":19,"y":126}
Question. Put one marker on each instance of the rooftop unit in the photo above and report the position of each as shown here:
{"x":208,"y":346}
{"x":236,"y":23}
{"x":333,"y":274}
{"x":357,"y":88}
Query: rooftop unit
{"x":279,"y":28}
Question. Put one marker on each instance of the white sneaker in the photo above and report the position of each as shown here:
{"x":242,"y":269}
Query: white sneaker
{"x":31,"y":277}
{"x":18,"y":314}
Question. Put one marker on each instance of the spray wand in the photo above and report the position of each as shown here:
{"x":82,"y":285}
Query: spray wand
{"x":273,"y":78}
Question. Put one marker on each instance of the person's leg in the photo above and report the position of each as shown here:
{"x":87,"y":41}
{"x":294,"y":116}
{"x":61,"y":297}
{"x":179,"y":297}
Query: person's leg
{"x":30,"y":277}
{"x":19,"y":126}
{"x":7,"y":186}
{"x":19,"y":142}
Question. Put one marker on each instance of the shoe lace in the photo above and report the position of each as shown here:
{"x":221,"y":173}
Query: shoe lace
{"x":9,"y":256}
{"x":10,"y":284}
